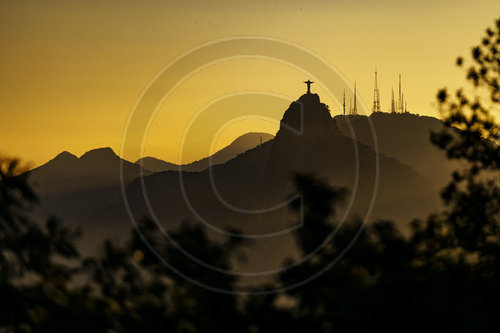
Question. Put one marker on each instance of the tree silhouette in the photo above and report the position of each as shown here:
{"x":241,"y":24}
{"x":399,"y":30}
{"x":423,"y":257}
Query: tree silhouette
{"x":33,"y":275}
{"x":45,"y":286}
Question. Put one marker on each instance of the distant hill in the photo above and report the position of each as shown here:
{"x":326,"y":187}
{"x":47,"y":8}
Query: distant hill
{"x":246,"y":188}
{"x":74,"y":188}
{"x":238,"y":146}
{"x":405,"y":137}
{"x":155,"y":164}
{"x":244,"y":192}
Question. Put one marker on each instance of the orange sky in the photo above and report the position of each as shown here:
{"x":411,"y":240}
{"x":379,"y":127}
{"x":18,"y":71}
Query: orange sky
{"x":70,"y":71}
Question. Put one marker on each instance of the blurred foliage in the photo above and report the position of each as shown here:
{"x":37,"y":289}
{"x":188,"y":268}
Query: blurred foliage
{"x":444,"y":276}
{"x":473,"y":196}
{"x":46,"y":286}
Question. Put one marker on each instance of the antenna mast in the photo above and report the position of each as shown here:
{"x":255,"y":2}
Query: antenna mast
{"x":355,"y":108}
{"x":400,"y":100}
{"x":344,"y":103}
{"x":393,"y":103}
{"x":376,"y":96}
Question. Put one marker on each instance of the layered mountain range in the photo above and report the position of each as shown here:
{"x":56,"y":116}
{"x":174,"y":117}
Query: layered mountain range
{"x":385,"y":161}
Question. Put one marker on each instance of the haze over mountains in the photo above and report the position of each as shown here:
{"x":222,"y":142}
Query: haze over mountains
{"x":260,"y":178}
{"x":76,"y":188}
{"x":405,"y":137}
{"x":248,"y":183}
{"x":238,"y":146}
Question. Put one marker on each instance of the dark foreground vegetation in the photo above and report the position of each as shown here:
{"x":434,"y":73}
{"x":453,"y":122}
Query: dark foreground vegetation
{"x":442,"y":277}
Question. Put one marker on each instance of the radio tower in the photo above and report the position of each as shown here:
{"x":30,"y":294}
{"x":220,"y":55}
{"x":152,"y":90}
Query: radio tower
{"x":355,"y":107}
{"x":400,"y":100}
{"x":393,"y":103}
{"x":376,"y":96}
{"x":344,"y":103}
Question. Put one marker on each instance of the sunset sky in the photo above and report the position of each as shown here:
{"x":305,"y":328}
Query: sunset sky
{"x":70,"y":71}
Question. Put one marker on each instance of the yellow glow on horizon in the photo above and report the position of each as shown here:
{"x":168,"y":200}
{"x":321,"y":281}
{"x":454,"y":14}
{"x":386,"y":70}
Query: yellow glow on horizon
{"x":71,"y":71}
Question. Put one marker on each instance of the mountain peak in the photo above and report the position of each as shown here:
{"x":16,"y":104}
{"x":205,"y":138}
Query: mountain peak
{"x":99,"y":153}
{"x":308,"y":116}
{"x":65,"y":156}
{"x":310,"y":98}
{"x":252,"y":139}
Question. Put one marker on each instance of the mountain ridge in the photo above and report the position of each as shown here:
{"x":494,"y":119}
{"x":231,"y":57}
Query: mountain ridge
{"x":242,"y":192}
{"x":405,"y":137}
{"x":237,"y":146}
{"x":228,"y":195}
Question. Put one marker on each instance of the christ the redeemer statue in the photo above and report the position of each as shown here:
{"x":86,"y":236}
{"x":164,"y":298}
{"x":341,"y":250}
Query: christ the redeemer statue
{"x":308,"y":82}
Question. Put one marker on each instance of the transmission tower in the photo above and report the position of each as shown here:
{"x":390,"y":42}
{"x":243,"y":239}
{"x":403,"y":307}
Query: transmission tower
{"x":376,"y":96}
{"x":343,"y":105}
{"x":355,"y":107}
{"x":393,"y":103}
{"x":400,"y":99}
